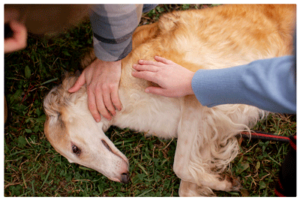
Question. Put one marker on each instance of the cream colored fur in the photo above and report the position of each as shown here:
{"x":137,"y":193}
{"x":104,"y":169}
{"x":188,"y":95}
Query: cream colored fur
{"x":212,"y":38}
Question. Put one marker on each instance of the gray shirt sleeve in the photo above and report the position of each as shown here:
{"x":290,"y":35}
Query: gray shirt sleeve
{"x":113,"y":26}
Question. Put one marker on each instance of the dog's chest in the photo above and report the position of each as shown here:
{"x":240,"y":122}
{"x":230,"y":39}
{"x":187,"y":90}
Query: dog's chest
{"x":151,"y":114}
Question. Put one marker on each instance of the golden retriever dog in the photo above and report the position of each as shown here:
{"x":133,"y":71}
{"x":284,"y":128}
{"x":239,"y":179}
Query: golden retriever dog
{"x":212,"y":38}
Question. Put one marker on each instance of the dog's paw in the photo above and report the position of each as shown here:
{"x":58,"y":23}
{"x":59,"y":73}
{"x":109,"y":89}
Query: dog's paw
{"x":235,"y":183}
{"x":188,"y":189}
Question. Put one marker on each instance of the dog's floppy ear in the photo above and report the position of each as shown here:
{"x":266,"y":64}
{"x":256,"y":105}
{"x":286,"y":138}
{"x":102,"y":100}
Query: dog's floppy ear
{"x":68,"y":80}
{"x":77,"y":73}
{"x":52,"y":102}
{"x":65,"y":74}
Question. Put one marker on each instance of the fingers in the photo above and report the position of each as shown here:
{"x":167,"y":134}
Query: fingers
{"x":20,"y":33}
{"x":80,"y":82}
{"x":163,"y":60}
{"x":100,"y":99}
{"x":145,"y":67}
{"x":152,"y":65}
{"x":148,"y":62}
{"x":149,"y":76}
{"x":115,"y":97}
{"x":92,"y":105}
{"x":103,"y":101}
{"x":107,"y":99}
{"x":156,"y":90}
{"x":108,"y":103}
{"x":158,"y":59}
{"x":19,"y":39}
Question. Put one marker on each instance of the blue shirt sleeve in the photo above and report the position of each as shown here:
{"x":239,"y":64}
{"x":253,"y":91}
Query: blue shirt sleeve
{"x":269,"y":84}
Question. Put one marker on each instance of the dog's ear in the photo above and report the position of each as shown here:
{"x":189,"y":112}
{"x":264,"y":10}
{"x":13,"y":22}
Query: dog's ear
{"x":77,"y":73}
{"x":52,"y":102}
{"x":65,"y":74}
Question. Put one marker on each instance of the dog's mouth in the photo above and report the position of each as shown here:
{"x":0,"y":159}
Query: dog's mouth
{"x":107,"y":146}
{"x":125,"y":177}
{"x":117,"y":154}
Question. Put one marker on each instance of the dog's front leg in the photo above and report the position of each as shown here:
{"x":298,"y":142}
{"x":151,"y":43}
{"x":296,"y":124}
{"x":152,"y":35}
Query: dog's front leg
{"x":187,"y":134}
{"x":190,"y":140}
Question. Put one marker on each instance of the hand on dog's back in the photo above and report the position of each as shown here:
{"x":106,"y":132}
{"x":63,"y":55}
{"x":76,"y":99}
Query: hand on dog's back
{"x":173,"y":79}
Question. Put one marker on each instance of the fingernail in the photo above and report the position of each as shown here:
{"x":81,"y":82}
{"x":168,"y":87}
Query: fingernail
{"x":146,"y":90}
{"x":97,"y":120}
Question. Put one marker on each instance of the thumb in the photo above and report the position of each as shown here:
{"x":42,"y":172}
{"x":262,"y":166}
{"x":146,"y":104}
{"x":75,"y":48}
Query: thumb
{"x":80,"y":82}
{"x":155,"y":90}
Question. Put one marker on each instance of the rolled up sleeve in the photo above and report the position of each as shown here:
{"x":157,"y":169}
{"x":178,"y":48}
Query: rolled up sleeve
{"x":113,"y":26}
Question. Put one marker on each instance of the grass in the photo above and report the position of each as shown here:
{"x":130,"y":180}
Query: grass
{"x":34,"y":168}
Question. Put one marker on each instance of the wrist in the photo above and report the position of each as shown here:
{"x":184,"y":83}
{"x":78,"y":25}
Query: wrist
{"x":108,"y":63}
{"x":189,"y":89}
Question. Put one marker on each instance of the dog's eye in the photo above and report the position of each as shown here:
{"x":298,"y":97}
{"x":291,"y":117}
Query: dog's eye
{"x":76,"y":150}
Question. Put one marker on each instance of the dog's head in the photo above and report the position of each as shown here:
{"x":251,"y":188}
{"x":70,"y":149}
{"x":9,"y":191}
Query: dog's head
{"x":75,"y":134}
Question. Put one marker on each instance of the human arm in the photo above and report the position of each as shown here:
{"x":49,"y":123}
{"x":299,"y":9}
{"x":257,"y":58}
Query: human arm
{"x":113,"y":26}
{"x":268,"y":84}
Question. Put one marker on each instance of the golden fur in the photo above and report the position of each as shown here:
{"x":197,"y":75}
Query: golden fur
{"x":218,"y":37}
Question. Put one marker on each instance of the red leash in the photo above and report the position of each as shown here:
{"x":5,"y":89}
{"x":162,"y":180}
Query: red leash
{"x":286,"y":184}
{"x":265,"y":136}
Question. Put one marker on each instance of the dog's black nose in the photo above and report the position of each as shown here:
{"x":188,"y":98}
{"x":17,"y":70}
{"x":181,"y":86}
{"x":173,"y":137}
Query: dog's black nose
{"x":125,"y":177}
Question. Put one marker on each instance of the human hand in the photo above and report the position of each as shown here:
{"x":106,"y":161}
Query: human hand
{"x":173,"y":79}
{"x":19,"y":39}
{"x":102,"y":79}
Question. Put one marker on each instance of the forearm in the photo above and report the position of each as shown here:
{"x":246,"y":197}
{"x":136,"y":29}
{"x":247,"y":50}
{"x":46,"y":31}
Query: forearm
{"x":113,"y":26}
{"x":268,"y":84}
